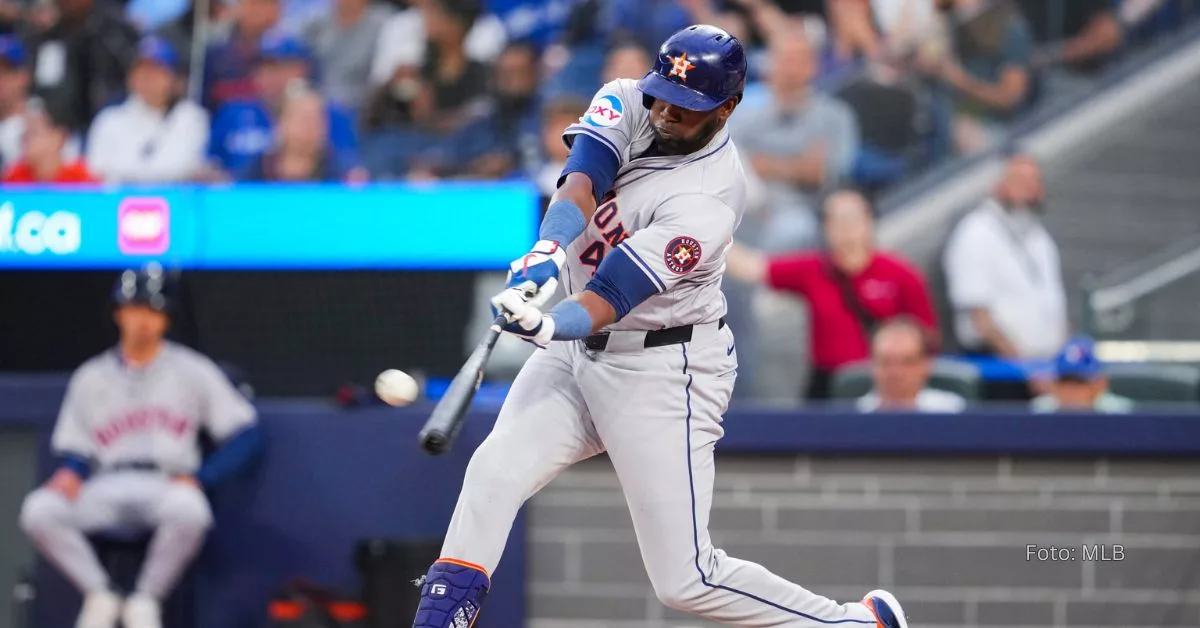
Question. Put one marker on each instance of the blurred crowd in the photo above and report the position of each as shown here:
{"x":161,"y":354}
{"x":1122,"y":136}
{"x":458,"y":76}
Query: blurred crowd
{"x":846,"y":98}
{"x":861,"y":91}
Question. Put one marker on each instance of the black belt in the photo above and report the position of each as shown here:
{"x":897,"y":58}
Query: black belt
{"x":655,"y":338}
{"x":134,"y":465}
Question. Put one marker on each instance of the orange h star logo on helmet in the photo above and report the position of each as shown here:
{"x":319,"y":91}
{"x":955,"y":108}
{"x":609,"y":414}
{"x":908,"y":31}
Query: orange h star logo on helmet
{"x":680,"y":66}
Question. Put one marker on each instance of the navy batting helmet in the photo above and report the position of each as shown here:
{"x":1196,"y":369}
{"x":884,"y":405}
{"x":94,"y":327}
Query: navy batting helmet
{"x":150,"y":286}
{"x":697,"y":68}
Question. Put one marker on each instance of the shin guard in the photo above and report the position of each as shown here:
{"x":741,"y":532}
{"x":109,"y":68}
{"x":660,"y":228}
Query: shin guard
{"x":451,"y":595}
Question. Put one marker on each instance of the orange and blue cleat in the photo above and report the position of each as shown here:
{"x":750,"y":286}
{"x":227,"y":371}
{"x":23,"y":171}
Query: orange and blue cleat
{"x":886,"y":608}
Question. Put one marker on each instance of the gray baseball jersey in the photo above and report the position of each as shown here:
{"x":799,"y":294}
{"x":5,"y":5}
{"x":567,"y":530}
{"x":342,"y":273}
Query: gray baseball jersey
{"x":674,"y":216}
{"x":116,"y":414}
{"x":657,"y":410}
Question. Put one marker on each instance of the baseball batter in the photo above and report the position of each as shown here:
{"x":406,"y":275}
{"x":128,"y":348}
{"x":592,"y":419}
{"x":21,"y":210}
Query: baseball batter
{"x":638,"y":361}
{"x":130,"y":462}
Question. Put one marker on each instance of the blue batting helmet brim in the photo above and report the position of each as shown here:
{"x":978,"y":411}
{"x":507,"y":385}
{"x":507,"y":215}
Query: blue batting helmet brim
{"x":678,"y":94}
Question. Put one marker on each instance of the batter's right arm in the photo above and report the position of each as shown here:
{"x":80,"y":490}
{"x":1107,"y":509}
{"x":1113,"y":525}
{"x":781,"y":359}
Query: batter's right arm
{"x":599,"y":142}
{"x":588,"y":176}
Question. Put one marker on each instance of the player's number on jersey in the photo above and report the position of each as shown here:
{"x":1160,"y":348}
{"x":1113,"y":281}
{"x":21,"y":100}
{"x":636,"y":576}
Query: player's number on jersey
{"x":593,"y":255}
{"x":611,"y":234}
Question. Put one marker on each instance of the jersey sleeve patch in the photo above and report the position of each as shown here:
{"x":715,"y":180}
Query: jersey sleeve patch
{"x":605,"y":111}
{"x":682,"y":254}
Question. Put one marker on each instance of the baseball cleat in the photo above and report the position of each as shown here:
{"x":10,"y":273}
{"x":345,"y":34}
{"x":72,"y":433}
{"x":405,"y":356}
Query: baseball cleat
{"x":886,"y":608}
{"x":100,"y":610}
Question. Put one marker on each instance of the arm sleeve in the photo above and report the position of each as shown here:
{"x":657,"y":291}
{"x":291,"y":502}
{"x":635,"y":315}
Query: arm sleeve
{"x":609,"y":119}
{"x":791,"y":273}
{"x":71,"y":436}
{"x":234,"y":455}
{"x":226,"y":412}
{"x":966,"y":263}
{"x":589,"y":156}
{"x":621,"y":281}
{"x":686,"y":239}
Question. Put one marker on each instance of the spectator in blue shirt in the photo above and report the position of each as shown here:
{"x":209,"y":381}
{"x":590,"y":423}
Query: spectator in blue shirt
{"x":229,"y":62}
{"x":1080,"y":383}
{"x":243,"y":130}
{"x":302,"y":152}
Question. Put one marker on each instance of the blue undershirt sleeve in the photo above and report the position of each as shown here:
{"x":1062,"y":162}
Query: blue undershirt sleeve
{"x":571,"y":320}
{"x":595,"y":160}
{"x":234,"y":455}
{"x":77,"y":463}
{"x":621,"y":282}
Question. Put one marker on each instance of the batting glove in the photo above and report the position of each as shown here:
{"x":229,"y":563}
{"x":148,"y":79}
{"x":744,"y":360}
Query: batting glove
{"x":536,"y":273}
{"x":525,"y":321}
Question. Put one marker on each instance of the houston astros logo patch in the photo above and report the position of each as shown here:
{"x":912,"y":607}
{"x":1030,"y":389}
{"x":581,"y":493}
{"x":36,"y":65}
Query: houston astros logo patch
{"x":682,"y":255}
{"x":680,"y":66}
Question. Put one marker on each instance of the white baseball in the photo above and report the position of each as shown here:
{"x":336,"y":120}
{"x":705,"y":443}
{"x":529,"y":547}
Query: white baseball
{"x":396,"y":388}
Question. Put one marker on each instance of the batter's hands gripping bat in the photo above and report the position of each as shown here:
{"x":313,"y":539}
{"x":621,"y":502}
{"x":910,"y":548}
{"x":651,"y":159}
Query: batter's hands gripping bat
{"x":440,"y":431}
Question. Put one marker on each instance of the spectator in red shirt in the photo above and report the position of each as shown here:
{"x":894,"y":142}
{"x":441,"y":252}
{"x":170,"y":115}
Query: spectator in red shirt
{"x":41,"y":152}
{"x":851,"y":288}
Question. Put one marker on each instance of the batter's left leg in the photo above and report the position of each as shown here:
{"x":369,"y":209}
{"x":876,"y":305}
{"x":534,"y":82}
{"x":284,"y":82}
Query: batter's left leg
{"x":660,"y":432}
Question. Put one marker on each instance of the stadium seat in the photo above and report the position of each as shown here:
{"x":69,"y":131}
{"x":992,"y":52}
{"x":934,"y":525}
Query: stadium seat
{"x":1155,"y":382}
{"x":960,"y":378}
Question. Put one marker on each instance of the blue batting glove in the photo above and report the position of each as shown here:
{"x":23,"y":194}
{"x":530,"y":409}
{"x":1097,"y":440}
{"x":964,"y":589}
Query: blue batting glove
{"x":535,"y":274}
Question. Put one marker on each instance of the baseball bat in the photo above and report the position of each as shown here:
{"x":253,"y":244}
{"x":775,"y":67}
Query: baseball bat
{"x":444,"y":423}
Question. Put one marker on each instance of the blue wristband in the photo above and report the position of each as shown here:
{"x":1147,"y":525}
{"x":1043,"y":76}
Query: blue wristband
{"x":81,"y":465}
{"x":571,"y":321}
{"x":563,"y":223}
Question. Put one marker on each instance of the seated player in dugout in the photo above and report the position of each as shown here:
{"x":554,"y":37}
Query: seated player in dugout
{"x":127,"y":437}
{"x":638,"y":361}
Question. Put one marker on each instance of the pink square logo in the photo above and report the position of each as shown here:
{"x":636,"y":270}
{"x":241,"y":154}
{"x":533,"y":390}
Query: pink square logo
{"x":144,"y":226}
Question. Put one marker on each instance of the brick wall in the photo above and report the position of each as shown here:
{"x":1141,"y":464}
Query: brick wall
{"x":948,"y":536}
